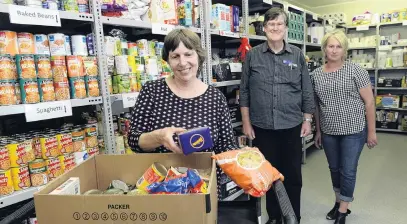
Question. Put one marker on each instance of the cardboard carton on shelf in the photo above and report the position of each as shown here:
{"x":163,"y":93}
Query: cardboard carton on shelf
{"x":98,"y":172}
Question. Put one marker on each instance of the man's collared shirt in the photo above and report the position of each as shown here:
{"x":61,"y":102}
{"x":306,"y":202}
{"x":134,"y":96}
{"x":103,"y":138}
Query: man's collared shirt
{"x":276,"y":87}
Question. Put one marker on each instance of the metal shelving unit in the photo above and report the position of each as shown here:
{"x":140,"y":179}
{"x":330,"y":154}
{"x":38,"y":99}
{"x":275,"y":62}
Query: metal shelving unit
{"x":18,"y":196}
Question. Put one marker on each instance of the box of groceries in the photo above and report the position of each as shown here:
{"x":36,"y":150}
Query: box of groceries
{"x":140,"y":188}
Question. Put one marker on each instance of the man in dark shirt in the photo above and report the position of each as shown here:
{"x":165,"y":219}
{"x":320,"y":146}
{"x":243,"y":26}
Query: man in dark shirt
{"x":277,"y":103}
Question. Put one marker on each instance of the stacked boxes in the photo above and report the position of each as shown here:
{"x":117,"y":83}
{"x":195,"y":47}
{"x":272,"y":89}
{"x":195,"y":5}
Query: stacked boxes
{"x":295,"y":26}
{"x":225,"y":18}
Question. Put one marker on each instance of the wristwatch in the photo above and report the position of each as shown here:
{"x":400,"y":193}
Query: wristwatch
{"x":308,"y":119}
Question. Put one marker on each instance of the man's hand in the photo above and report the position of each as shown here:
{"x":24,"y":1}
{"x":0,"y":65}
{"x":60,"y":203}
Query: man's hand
{"x":306,"y":129}
{"x":248,"y":130}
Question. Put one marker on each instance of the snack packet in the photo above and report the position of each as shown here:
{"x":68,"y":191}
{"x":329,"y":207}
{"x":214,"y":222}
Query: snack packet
{"x":249,"y":169}
{"x":189,"y":182}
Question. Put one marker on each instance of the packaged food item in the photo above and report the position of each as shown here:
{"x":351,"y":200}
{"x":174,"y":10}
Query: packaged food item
{"x":68,"y":45}
{"x":21,"y":178}
{"x":122,"y":65}
{"x":29,"y":91}
{"x":78,"y":88}
{"x":58,"y":66}
{"x":121,"y":84}
{"x":57,"y":44}
{"x":38,"y":172}
{"x":54,"y":168}
{"x":8,"y":69}
{"x":114,"y":191}
{"x":93,"y":151}
{"x":142,"y":46}
{"x":79,"y":45}
{"x":70,"y":187}
{"x":4,"y":157}
{"x":18,"y":92}
{"x":8,"y":42}
{"x":118,"y":184}
{"x":134,"y":86}
{"x":75,"y":66}
{"x":46,"y":89}
{"x":131,"y":60}
{"x":159,"y":46}
{"x":67,"y":161}
{"x":26,"y":66}
{"x":61,"y":90}
{"x":41,"y":44}
{"x":64,"y":140}
{"x":93,"y":191}
{"x":91,"y":136}
{"x":155,"y":173}
{"x":78,"y":139}
{"x":110,"y":64}
{"x":71,"y":5}
{"x":6,"y":183}
{"x":26,"y":43}
{"x":43,"y":66}
{"x":21,"y":152}
{"x":90,"y":66}
{"x":90,"y":44}
{"x":133,"y":49}
{"x":37,"y":145}
{"x":7,"y":93}
{"x":195,"y":140}
{"x":92,"y":86}
{"x":249,"y":170}
{"x":49,"y":146}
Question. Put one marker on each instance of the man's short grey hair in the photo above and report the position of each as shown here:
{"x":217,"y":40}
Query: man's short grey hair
{"x":273,"y":13}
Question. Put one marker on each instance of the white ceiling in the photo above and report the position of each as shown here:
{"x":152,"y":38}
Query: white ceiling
{"x":318,"y":3}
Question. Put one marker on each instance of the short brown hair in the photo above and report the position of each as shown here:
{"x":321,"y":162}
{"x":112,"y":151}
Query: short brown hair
{"x":273,"y":13}
{"x":190,"y":39}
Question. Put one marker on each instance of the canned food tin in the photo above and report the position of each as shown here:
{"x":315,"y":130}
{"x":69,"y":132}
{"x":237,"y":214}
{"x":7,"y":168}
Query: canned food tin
{"x":26,"y":66}
{"x":8,"y":42}
{"x":67,"y":162}
{"x":37,"y":145}
{"x":8,"y":69}
{"x":41,"y":44}
{"x":49,"y":146}
{"x":26,"y":43}
{"x":75,"y":66}
{"x":4,"y":157}
{"x":6,"y":183}
{"x":79,"y":45}
{"x":68,"y":45}
{"x":61,"y":90}
{"x":38,"y":172}
{"x":43,"y":66}
{"x":21,"y":178}
{"x":58,"y":66}
{"x":122,"y":83}
{"x":29,"y":91}
{"x":151,"y":47}
{"x":70,"y":5}
{"x":159,"y":48}
{"x":83,"y":8}
{"x":133,"y":83}
{"x":92,"y":86}
{"x":7,"y":93}
{"x":142,"y":46}
{"x":77,"y":88}
{"x":131,"y":60}
{"x":54,"y":168}
{"x":90,"y":66}
{"x":133,"y":49}
{"x":57,"y":44}
{"x":91,"y":136}
{"x":18,"y":93}
{"x":78,"y":139}
{"x":115,"y":120}
{"x":155,"y":173}
{"x":50,"y":5}
{"x":93,"y":151}
{"x":65,"y":144}
{"x":122,"y":65}
{"x":21,"y":152}
{"x":46,"y":89}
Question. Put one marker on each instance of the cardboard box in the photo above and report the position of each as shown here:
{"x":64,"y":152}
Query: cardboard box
{"x":97,"y":173}
{"x":70,"y":187}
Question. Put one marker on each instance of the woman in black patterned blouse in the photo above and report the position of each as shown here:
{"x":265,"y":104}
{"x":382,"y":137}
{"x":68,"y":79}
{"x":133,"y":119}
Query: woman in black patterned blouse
{"x":182,"y":101}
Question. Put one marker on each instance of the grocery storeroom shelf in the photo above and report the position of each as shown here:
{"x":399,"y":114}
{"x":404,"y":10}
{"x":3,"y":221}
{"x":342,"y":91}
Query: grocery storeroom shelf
{"x":237,"y":124}
{"x":396,"y":109}
{"x":256,"y":37}
{"x":295,"y":42}
{"x":394,"y":68}
{"x":4,"y":8}
{"x":356,"y":26}
{"x":313,"y":45}
{"x":391,"y":130}
{"x":19,"y":109}
{"x":363,"y":48}
{"x":18,"y":196}
{"x":391,"y":23}
{"x":391,"y":88}
{"x":226,"y":83}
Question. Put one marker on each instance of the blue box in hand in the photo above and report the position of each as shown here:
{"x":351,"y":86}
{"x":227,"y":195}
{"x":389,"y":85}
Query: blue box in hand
{"x":195,"y":140}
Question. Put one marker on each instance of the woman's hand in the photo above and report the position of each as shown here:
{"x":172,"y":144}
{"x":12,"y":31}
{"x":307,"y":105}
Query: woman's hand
{"x":318,"y":139}
{"x":371,"y":139}
{"x":164,"y":137}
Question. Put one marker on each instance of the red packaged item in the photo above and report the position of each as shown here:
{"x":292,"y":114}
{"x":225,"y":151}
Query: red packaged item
{"x":249,"y":170}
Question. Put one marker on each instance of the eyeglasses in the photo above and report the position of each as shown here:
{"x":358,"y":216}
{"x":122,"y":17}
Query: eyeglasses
{"x":277,"y":25}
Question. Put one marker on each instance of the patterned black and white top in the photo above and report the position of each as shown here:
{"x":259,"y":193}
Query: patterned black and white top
{"x":158,"y":107}
{"x":342,"y":110}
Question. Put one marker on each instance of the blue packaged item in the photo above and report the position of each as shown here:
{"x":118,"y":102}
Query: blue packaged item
{"x":182,"y":184}
{"x":195,"y":140}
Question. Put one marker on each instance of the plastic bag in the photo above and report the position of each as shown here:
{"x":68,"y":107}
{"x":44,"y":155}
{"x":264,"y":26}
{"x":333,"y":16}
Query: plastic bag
{"x":175,"y":183}
{"x":249,"y":170}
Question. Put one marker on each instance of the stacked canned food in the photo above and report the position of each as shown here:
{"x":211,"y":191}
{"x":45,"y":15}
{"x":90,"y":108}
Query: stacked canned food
{"x":81,"y":6}
{"x":131,"y":64}
{"x":121,"y":126}
{"x":45,"y":71}
{"x":37,"y":157}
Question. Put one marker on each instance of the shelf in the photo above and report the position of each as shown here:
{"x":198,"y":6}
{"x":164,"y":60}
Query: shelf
{"x":256,"y":37}
{"x":391,"y":88}
{"x":237,"y":124}
{"x":306,"y":146}
{"x":18,"y":196}
{"x":295,"y":42}
{"x":363,"y":48}
{"x":391,"y":23}
{"x":4,"y":8}
{"x":356,"y":26}
{"x":394,"y":68}
{"x":313,"y":45}
{"x":20,"y":109}
{"x":226,"y":83}
{"x":396,"y":109}
{"x":390,"y":130}
{"x":225,"y":33}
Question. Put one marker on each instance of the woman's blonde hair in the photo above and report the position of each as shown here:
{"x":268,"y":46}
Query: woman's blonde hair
{"x":340,"y":36}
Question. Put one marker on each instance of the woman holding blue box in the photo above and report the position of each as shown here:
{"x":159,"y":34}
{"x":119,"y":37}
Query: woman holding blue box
{"x":168,"y":107}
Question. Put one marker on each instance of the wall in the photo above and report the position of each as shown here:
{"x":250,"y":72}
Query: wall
{"x":361,"y":6}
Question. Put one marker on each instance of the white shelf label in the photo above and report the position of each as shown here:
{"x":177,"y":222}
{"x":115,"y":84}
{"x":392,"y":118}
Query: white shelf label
{"x":270,"y":2}
{"x":129,"y":99}
{"x":362,"y":28}
{"x":235,"y":67}
{"x":228,"y":34}
{"x":163,"y":29}
{"x":315,"y":17}
{"x":405,"y":23}
{"x":34,"y":16}
{"x":49,"y":110}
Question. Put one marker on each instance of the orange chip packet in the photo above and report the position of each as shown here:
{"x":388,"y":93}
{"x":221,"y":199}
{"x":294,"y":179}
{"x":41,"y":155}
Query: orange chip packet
{"x":249,"y":169}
